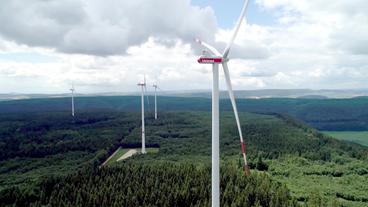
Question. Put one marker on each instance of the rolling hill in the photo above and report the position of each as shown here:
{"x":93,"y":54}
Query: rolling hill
{"x":323,"y":114}
{"x":51,"y":159}
{"x":262,"y":93}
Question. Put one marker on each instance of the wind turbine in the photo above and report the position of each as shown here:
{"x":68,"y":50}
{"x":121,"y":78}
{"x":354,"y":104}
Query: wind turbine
{"x":72,"y":90}
{"x":143,"y":87}
{"x":155,"y":86}
{"x":214,"y":57}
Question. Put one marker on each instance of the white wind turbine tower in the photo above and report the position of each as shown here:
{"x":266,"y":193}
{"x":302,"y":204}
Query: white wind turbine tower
{"x":156,"y":87}
{"x":72,"y":90}
{"x":143,"y":87}
{"x":215,"y":58}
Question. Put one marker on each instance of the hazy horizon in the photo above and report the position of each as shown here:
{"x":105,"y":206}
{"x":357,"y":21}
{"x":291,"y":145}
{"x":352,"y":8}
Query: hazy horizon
{"x":198,"y":90}
{"x":240,"y":94}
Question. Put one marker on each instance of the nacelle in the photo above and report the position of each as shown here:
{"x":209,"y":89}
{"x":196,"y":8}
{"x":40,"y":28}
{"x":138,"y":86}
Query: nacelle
{"x":209,"y":60}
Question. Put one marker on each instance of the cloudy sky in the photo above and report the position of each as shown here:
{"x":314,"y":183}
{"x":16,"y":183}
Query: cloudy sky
{"x":107,"y":46}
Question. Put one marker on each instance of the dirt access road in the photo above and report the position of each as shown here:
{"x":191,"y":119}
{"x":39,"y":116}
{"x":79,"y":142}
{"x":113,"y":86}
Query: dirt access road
{"x":108,"y":159}
{"x":128,"y":154}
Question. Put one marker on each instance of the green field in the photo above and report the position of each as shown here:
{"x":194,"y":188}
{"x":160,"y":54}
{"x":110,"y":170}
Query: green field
{"x":359,"y":137}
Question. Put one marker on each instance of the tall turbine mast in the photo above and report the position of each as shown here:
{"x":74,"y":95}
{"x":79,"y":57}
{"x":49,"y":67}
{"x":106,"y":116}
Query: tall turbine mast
{"x":214,"y":57}
{"x":72,"y":90}
{"x":143,"y":87}
{"x":155,"y":86}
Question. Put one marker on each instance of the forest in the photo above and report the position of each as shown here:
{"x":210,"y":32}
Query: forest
{"x":323,"y":114}
{"x":161,"y":184}
{"x":51,"y":159}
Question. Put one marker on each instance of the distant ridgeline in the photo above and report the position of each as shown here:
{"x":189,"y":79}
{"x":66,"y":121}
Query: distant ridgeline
{"x":323,"y":114}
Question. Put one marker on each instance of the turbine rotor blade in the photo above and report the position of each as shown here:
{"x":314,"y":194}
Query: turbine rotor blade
{"x":233,"y":103}
{"x":145,"y":88}
{"x":145,"y":91}
{"x":210,"y":48}
{"x":237,"y":27}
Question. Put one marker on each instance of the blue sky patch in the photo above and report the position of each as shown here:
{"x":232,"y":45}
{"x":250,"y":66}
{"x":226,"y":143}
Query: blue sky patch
{"x":227,"y":12}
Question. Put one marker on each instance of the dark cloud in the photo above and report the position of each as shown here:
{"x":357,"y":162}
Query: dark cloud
{"x":102,"y":27}
{"x":38,"y":23}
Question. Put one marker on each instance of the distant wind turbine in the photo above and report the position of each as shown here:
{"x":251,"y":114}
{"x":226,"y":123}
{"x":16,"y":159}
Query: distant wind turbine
{"x":156,"y":87}
{"x":143,"y":87}
{"x":72,"y":90}
{"x":214,"y":57}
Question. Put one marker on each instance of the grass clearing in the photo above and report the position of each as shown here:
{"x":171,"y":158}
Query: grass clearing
{"x":152,"y":150}
{"x":121,"y":151}
{"x":359,"y":137}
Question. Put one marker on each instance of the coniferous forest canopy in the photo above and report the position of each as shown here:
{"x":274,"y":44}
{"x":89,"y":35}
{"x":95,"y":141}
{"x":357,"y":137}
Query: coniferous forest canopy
{"x":48,"y":158}
{"x":323,"y":114}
